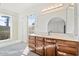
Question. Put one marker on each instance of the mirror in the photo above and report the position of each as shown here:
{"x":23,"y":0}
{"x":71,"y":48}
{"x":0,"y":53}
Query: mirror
{"x":59,"y":25}
{"x":56,"y":25}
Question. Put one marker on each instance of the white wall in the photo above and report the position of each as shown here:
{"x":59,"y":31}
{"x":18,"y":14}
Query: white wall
{"x":77,"y":17}
{"x":42,"y":20}
{"x":22,"y":27}
{"x":15,"y":27}
{"x":70,"y":21}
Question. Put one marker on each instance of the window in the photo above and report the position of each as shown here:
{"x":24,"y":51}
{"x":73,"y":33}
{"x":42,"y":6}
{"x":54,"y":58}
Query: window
{"x":4,"y":21}
{"x":31,"y":23}
{"x":31,"y":20}
{"x":4,"y":27}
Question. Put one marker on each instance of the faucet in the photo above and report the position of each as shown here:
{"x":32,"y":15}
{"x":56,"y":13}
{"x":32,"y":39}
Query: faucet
{"x":49,"y":32}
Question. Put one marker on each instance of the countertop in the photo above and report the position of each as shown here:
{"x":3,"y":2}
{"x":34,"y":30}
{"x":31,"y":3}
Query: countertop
{"x":59,"y":36}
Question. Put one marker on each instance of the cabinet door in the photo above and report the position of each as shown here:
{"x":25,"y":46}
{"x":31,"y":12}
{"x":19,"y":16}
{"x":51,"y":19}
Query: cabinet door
{"x":32,"y":39}
{"x":39,"y":47}
{"x":66,"y":48}
{"x":49,"y":49}
{"x":78,"y":48}
{"x":32,"y":43}
{"x":32,"y":47}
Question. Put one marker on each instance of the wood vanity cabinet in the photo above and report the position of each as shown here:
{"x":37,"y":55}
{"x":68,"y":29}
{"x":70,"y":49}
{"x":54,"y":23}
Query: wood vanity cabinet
{"x":39,"y":46}
{"x":78,"y":49}
{"x":49,"y":47}
{"x":32,"y":43}
{"x":53,"y":47}
{"x":66,"y":48}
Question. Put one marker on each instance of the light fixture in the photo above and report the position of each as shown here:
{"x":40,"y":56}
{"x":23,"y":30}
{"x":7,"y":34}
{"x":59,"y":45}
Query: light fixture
{"x":52,"y":7}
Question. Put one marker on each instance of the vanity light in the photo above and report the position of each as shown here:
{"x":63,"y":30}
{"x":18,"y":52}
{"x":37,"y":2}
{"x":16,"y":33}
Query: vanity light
{"x":52,"y":7}
{"x":51,"y":11}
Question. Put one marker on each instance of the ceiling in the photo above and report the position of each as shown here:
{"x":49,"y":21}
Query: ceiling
{"x":15,"y":7}
{"x":21,"y":7}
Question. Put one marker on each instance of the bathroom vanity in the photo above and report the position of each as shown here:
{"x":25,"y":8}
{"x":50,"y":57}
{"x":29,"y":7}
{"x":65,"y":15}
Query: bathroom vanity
{"x":53,"y":45}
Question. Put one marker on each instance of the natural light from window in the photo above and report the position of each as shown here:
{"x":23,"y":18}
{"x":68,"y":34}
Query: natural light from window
{"x":31,"y":23}
{"x":4,"y":27}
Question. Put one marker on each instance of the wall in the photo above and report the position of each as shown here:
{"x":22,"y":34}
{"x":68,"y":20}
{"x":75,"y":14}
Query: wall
{"x":77,"y":19}
{"x":22,"y":27}
{"x":42,"y":20}
{"x":15,"y":27}
{"x":70,"y":21}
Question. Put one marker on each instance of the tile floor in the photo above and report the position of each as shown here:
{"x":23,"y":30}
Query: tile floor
{"x":15,"y":50}
{"x":32,"y":54}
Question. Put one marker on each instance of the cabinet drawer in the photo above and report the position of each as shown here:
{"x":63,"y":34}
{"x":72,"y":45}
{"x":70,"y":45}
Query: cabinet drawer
{"x":68,"y":50}
{"x":31,"y":37}
{"x":39,"y":38}
{"x":59,"y":53}
{"x":39,"y":43}
{"x":67,"y":43}
{"x":50,"y":40}
{"x":32,"y":45}
{"x":32,"y":41}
